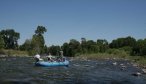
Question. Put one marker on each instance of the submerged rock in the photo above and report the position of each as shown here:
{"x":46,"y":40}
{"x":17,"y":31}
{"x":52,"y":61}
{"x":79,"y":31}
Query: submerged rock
{"x":144,"y":71}
{"x":115,"y":63}
{"x":136,"y":74}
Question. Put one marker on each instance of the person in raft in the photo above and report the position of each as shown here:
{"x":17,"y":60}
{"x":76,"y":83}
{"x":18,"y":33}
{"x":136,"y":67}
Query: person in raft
{"x":61,"y":57}
{"x":37,"y":58}
{"x":50,"y":58}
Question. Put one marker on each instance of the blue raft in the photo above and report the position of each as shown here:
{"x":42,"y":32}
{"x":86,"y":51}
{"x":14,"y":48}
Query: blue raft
{"x":55,"y":63}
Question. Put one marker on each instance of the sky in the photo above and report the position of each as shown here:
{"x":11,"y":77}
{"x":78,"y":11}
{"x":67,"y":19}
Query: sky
{"x":74,"y":19}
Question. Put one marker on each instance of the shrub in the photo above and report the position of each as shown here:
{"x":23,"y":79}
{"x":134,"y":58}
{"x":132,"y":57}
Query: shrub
{"x":117,"y":52}
{"x":2,"y":52}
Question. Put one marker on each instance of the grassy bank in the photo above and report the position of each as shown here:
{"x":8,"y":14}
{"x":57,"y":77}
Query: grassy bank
{"x":102,"y":56}
{"x":140,"y":61}
{"x":11,"y":52}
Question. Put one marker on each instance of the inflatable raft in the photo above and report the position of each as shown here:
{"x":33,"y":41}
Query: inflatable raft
{"x":54,"y":63}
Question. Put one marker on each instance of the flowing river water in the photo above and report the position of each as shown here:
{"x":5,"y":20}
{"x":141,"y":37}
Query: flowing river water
{"x":21,"y":70}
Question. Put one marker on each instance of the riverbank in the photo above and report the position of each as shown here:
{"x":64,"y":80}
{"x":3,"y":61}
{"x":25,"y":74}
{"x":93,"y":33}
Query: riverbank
{"x":13,"y":53}
{"x":137,"y":61}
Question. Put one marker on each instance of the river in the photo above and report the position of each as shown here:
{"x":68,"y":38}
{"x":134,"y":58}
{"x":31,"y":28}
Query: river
{"x":21,"y":70}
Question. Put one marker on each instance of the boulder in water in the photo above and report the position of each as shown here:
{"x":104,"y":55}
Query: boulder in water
{"x":144,"y":71}
{"x":136,"y":74}
{"x":115,"y":63}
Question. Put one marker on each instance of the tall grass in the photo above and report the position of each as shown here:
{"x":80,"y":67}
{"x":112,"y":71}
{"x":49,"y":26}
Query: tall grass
{"x":11,"y":52}
{"x":111,"y":53}
{"x":116,"y":54}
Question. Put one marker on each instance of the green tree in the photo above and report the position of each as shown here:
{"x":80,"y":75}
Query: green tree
{"x":40,"y":30}
{"x":102,"y":44}
{"x":66,"y":48}
{"x":91,"y":46}
{"x":1,"y":42}
{"x":74,"y":47}
{"x":144,"y":48}
{"x":83,"y":45}
{"x":54,"y":50}
{"x":129,"y":41}
{"x":122,"y":42}
{"x":45,"y":50}
{"x":10,"y":38}
{"x":38,"y":42}
{"x":139,"y":48}
{"x":27,"y":46}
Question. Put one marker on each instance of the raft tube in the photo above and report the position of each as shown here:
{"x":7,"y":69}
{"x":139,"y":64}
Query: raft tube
{"x":54,"y":63}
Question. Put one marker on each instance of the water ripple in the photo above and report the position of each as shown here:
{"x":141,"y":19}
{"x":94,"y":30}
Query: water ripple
{"x":22,"y":71}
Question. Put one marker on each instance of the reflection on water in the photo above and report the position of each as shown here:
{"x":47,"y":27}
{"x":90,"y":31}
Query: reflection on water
{"x":22,"y":71}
